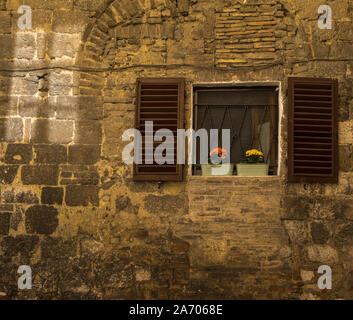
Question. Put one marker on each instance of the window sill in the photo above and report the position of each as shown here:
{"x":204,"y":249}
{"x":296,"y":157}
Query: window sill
{"x":234,"y":177}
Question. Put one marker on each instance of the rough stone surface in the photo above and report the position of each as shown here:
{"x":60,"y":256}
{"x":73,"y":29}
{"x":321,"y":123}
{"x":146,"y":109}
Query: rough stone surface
{"x":41,"y":219}
{"x":322,"y":254}
{"x":8,"y":174}
{"x":69,"y":205}
{"x":52,"y":131}
{"x":22,"y":244}
{"x":319,"y":233}
{"x":84,"y":154}
{"x":52,"y":195}
{"x":42,"y":174}
{"x":50,"y":154}
{"x":16,"y":196}
{"x":11,"y":129}
{"x":4,"y":222}
{"x":81,"y":196}
{"x":18,"y":153}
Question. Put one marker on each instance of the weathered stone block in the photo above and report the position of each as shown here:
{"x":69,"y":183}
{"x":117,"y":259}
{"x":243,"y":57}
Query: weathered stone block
{"x":88,"y":132}
{"x":346,"y":157}
{"x":323,"y":254}
{"x":8,"y":174}
{"x":340,"y":50}
{"x":22,"y":244}
{"x":7,"y":47}
{"x":52,"y":131}
{"x":50,"y":154}
{"x":307,"y":275}
{"x":296,"y":207}
{"x":23,"y":42}
{"x":6,"y":207}
{"x":41,"y":174}
{"x":41,"y":20}
{"x":30,"y":106}
{"x":26,"y":85}
{"x":90,"y":108}
{"x":8,"y":105}
{"x":53,"y":248}
{"x":180,"y":246}
{"x":81,"y":196}
{"x":16,"y":217}
{"x":52,"y":195}
{"x":65,"y":21}
{"x":42,"y":4}
{"x":5,"y":22}
{"x":319,"y":233}
{"x":60,"y":45}
{"x":5,"y":223}
{"x":344,"y":234}
{"x":41,"y":219}
{"x":60,"y":83}
{"x":14,"y":196}
{"x":90,"y":5}
{"x":18,"y":153}
{"x":123,"y":203}
{"x":84,"y":154}
{"x":11,"y":129}
{"x":87,"y":177}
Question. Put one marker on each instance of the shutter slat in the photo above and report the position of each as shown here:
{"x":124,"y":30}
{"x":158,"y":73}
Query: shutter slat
{"x":312,"y":157}
{"x":314,"y":97}
{"x":312,"y":130}
{"x":303,"y":115}
{"x":160,"y":100}
{"x":316,"y":91}
{"x":313,"y":110}
{"x":310,"y":151}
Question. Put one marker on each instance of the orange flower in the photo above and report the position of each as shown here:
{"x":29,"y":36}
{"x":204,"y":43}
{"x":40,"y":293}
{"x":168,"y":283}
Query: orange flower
{"x":222,"y":153}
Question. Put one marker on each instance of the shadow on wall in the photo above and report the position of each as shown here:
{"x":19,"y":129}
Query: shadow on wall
{"x":50,"y":140}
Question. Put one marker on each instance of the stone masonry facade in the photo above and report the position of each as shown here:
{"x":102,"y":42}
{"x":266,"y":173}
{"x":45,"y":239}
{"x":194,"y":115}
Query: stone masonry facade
{"x":69,"y":207}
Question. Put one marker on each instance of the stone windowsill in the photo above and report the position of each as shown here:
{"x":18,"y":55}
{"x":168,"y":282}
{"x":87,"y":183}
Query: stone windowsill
{"x":194,"y":177}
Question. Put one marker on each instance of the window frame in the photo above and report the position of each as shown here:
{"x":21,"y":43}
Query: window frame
{"x":242,"y":84}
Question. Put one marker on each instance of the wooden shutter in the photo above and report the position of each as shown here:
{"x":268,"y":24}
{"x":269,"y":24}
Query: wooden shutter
{"x":312,"y":130}
{"x":162,"y":101}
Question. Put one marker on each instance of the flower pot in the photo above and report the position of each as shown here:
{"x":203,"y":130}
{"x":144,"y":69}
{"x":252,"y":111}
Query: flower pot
{"x":252,"y":169}
{"x":225,"y":169}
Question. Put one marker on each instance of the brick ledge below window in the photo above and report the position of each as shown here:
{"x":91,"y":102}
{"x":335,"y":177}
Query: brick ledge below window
{"x":233,"y":176}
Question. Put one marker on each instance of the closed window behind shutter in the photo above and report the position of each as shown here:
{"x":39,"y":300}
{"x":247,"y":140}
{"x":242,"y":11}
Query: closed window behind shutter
{"x":312,"y":130}
{"x":160,"y":100}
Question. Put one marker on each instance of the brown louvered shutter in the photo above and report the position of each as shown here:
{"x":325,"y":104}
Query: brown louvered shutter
{"x":160,"y":100}
{"x":312,"y":130}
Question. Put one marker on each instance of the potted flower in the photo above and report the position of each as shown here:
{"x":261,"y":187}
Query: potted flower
{"x":254,"y":165}
{"x":215,"y":167}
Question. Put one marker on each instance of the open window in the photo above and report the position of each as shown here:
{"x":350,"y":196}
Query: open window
{"x":251,"y":114}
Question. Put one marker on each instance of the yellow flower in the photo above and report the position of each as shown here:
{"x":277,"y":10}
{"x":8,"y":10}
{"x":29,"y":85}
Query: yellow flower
{"x":254,"y":152}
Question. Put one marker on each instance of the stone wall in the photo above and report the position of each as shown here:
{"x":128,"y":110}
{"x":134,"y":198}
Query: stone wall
{"x":69,"y":207}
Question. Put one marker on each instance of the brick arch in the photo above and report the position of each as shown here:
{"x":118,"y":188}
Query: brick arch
{"x":99,"y":37}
